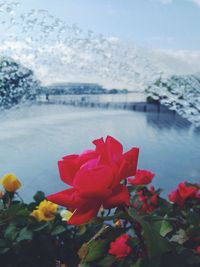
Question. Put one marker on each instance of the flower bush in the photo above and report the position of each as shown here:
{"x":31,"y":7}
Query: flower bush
{"x":114,"y":217}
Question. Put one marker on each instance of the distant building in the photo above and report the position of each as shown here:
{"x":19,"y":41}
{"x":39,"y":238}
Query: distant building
{"x":78,"y":88}
{"x":75,"y":88}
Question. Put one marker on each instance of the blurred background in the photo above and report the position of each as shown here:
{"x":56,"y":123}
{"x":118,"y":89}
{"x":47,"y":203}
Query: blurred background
{"x":72,"y":71}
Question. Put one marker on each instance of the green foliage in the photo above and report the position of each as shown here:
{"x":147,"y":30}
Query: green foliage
{"x":166,"y":236}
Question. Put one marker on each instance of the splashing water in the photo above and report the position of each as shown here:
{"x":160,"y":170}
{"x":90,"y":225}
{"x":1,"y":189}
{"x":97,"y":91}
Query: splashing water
{"x":58,"y":52}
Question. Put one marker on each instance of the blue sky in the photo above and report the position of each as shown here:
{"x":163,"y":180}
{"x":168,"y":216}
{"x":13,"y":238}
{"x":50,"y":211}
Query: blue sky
{"x":163,"y":24}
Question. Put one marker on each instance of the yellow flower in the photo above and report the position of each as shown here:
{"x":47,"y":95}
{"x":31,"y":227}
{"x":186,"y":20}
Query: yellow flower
{"x":45,"y":211}
{"x":66,"y":215}
{"x":10,"y":182}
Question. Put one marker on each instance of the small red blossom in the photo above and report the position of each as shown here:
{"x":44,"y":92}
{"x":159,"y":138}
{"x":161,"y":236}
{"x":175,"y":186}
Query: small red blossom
{"x":147,"y":200}
{"x":119,"y":247}
{"x":95,"y":177}
{"x":142,"y":177}
{"x":183,"y":192}
{"x":198,"y":249}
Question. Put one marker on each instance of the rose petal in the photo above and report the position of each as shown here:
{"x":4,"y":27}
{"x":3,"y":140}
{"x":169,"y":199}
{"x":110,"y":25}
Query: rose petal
{"x":70,"y":157}
{"x":68,"y":198}
{"x":85,"y":156}
{"x":114,"y":148}
{"x":120,"y":197}
{"x":142,"y":177}
{"x":90,"y":164}
{"x":101,"y":149}
{"x":186,"y":191}
{"x":85,"y":213}
{"x":67,"y":169}
{"x":95,"y":181}
{"x":128,"y":164}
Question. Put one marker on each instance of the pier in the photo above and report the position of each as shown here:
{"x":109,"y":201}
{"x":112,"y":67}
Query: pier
{"x":142,"y":106}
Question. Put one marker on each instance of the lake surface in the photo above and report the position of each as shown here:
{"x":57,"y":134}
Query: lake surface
{"x":34,"y":138}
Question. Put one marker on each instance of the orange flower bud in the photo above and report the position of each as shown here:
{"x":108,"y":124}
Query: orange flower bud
{"x":118,"y":223}
{"x":102,"y":209}
{"x":10,"y":182}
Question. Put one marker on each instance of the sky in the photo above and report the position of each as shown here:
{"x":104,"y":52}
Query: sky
{"x":160,"y":24}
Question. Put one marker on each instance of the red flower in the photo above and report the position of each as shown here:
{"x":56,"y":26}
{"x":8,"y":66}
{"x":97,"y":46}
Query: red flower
{"x":119,"y":248}
{"x":183,"y":193}
{"x":147,"y":200}
{"x":142,"y":177}
{"x":198,"y":249}
{"x":95,"y":177}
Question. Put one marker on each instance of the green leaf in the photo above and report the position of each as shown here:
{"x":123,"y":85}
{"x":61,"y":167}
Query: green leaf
{"x":11,"y":232}
{"x":193,"y":218}
{"x":14,"y":209}
{"x":24,"y":234}
{"x":107,"y":261}
{"x":4,"y":250}
{"x":85,"y":265}
{"x":156,"y":244}
{"x":3,"y":243}
{"x":92,"y":251}
{"x":24,"y":212}
{"x":137,"y":264}
{"x":163,"y":227}
{"x":58,"y":230}
{"x":41,"y":227}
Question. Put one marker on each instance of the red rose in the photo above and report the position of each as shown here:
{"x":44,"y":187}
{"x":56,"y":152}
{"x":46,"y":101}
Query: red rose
{"x":183,"y":193}
{"x":142,"y":177}
{"x":119,"y":248}
{"x":95,"y":177}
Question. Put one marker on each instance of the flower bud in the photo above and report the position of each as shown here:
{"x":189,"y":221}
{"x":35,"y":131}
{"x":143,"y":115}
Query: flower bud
{"x":118,"y":223}
{"x":10,"y":183}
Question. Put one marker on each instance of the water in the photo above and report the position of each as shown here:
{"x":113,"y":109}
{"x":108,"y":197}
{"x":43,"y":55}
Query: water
{"x":34,"y":138}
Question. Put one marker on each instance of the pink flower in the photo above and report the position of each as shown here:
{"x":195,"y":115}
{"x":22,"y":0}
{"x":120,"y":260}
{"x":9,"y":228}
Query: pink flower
{"x":119,"y":248}
{"x":142,"y":177}
{"x":95,"y":177}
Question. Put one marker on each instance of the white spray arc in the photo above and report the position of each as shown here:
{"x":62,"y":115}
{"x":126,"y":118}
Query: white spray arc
{"x":58,"y":52}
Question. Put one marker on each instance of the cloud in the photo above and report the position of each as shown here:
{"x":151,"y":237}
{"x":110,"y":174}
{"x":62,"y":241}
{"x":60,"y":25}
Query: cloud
{"x":197,"y":2}
{"x":164,"y":2}
{"x":177,"y":61}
